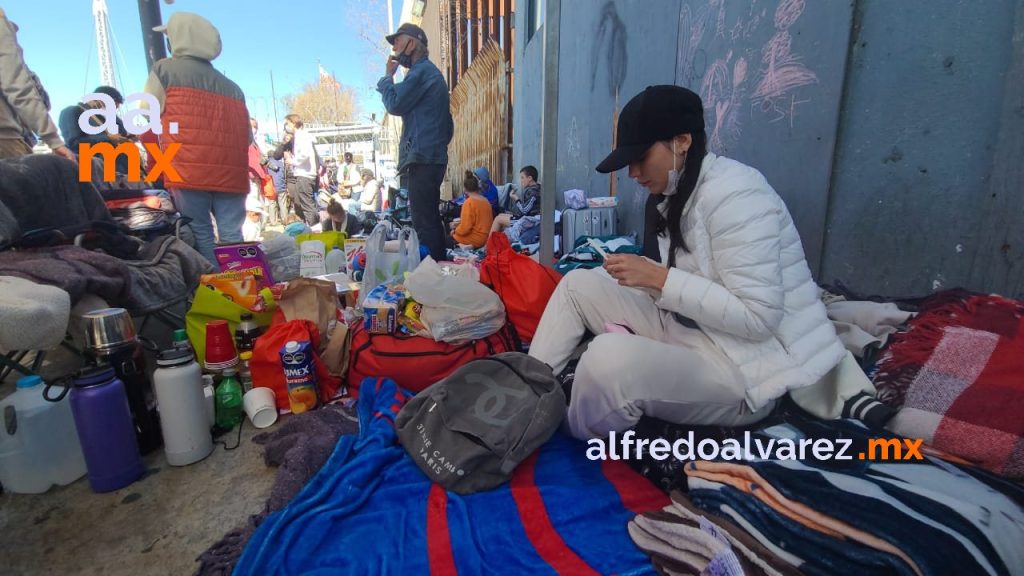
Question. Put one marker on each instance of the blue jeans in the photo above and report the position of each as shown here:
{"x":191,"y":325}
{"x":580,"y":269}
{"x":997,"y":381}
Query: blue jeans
{"x":424,"y":184}
{"x":228,"y":209}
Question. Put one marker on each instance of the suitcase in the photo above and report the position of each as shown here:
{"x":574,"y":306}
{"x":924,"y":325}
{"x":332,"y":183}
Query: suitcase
{"x":587,"y":222}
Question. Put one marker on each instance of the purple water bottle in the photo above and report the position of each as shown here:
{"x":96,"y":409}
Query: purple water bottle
{"x":105,"y":428}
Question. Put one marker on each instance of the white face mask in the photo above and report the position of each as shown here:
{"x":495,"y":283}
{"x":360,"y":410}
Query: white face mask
{"x":673,"y":175}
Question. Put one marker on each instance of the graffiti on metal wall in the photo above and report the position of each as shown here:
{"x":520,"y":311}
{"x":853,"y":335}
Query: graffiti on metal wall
{"x":610,"y":55}
{"x":611,"y":44}
{"x":746,"y":76}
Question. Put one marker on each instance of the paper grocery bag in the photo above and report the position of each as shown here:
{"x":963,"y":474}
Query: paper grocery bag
{"x":335,"y":356}
{"x":310,"y":299}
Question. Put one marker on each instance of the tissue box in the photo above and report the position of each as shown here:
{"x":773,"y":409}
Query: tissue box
{"x":381,"y":308}
{"x":575,"y":199}
{"x":602,"y":202}
{"x":247,"y":256}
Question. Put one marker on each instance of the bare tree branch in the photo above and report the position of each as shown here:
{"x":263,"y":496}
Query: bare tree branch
{"x":323,"y":102}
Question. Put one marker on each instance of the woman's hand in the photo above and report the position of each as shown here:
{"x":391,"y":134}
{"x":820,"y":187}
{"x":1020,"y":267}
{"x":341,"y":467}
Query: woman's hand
{"x":636,"y":271}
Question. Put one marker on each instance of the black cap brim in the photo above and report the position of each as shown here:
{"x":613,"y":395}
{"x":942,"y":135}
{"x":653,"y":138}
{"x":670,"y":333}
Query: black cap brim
{"x":391,"y":38}
{"x":622,"y":157}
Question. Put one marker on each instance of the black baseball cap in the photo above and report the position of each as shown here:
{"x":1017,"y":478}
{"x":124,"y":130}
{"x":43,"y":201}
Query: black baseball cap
{"x":657,"y":114}
{"x":409,"y":30}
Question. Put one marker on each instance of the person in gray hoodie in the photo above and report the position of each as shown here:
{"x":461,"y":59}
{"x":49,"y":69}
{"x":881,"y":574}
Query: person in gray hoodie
{"x":24,"y":104}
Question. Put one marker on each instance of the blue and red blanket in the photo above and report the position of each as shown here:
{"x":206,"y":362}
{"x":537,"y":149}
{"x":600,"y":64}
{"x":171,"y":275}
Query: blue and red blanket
{"x":370,"y":510}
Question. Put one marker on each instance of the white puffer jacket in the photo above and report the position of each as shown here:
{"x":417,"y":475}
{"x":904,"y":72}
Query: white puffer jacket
{"x":747,"y":285}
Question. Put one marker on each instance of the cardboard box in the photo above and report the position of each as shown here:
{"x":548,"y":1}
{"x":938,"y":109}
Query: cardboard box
{"x":246,"y":256}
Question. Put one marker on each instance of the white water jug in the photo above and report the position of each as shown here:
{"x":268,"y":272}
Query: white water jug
{"x":39,"y":444}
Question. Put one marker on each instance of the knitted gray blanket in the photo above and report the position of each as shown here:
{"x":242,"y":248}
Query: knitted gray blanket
{"x":75,"y":270}
{"x":299,"y":448}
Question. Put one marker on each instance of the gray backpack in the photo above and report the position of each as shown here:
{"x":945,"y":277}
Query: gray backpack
{"x":469,"y":431}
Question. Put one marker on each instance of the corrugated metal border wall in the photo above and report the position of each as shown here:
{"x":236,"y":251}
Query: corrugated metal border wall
{"x":480,"y":107}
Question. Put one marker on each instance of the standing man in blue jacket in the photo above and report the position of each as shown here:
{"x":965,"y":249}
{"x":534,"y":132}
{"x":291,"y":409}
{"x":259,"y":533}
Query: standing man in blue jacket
{"x":422,"y":102}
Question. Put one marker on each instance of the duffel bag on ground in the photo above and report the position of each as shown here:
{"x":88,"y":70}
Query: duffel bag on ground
{"x":469,"y":431}
{"x":415,"y":362}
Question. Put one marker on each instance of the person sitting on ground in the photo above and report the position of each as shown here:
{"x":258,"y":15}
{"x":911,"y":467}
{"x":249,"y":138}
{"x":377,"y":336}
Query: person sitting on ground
{"x":724,"y":326}
{"x":487,"y":189}
{"x":339,"y":220}
{"x":474,"y":223}
{"x":525,"y":213}
{"x":368,"y":195}
{"x":74,"y":135}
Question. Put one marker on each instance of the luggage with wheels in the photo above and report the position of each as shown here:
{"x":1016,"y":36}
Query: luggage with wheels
{"x":587,"y":222}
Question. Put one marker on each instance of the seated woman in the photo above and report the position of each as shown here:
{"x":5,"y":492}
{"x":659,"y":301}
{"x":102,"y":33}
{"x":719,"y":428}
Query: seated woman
{"x":369,"y":195}
{"x":339,"y":220}
{"x":729,"y":323}
{"x":474,"y":223}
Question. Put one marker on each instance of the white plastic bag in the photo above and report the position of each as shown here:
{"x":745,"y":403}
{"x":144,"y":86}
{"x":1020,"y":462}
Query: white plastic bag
{"x":382,"y":265}
{"x":455,"y":308}
{"x":282,"y":252}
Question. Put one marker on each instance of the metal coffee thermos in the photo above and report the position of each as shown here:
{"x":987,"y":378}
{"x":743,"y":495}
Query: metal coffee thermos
{"x":110,"y":339}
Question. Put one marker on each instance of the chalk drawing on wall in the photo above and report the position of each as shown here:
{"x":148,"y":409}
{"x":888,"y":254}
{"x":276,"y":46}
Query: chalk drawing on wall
{"x":691,"y":61}
{"x":781,"y":71}
{"x":723,"y":92}
{"x":747,"y":77}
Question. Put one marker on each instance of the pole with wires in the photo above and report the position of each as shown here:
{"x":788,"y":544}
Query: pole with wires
{"x":149,"y":16}
{"x":273,"y":98}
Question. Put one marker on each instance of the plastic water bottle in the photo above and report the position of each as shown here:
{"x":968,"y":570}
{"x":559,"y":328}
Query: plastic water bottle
{"x":244,"y":371}
{"x":178,"y":384}
{"x":105,"y":428}
{"x":209,"y":396}
{"x":229,"y":401}
{"x":180,"y":341}
{"x":39,"y":446}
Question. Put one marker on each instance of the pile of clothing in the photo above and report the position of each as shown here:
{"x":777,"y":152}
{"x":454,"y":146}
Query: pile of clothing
{"x":937,"y":515}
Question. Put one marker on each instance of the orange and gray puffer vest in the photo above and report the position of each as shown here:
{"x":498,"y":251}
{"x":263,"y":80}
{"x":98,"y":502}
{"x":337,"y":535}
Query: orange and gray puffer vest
{"x":213,"y":122}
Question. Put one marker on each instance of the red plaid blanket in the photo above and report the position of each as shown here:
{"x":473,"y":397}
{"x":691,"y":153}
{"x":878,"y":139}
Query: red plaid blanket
{"x":957,"y":375}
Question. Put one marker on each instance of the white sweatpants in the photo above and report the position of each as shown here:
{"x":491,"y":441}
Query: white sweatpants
{"x":665,"y":370}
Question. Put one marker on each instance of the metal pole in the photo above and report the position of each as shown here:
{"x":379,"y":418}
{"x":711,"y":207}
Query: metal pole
{"x":391,"y":19}
{"x":149,"y":16}
{"x":373,"y":145}
{"x":549,"y":132}
{"x":273,"y":96}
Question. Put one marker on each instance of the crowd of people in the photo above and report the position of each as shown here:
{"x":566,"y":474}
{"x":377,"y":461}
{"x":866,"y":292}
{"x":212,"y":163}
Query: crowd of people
{"x":718,"y":321}
{"x":232,"y":189}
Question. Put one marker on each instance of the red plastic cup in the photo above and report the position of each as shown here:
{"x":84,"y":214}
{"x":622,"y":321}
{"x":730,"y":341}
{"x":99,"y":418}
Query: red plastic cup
{"x":220,"y":346}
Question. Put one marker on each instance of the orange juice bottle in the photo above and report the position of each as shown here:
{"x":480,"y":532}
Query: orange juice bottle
{"x":299,"y":375}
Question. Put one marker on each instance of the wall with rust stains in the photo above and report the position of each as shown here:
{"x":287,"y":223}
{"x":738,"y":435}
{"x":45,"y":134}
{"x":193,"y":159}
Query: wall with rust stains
{"x":894,"y":131}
